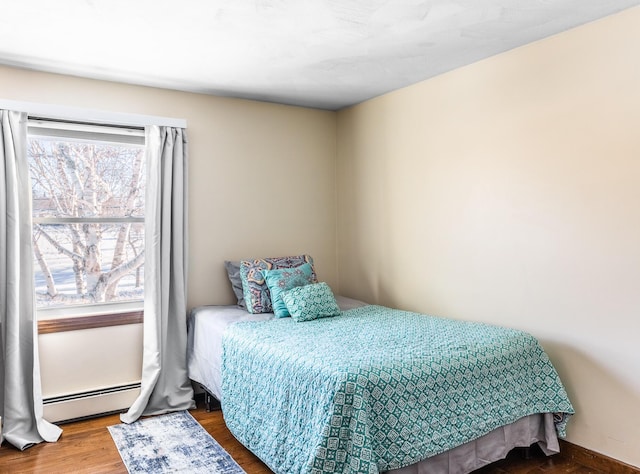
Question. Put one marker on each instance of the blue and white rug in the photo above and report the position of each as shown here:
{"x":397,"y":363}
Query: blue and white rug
{"x":171,"y":443}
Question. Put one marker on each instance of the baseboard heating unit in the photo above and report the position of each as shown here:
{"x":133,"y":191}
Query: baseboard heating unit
{"x":90,"y":403}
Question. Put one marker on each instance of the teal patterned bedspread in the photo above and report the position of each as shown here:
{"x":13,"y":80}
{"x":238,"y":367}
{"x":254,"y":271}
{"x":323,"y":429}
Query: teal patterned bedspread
{"x":376,"y":388}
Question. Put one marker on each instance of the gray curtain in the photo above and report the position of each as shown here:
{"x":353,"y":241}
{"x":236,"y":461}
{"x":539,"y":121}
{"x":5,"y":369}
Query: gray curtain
{"x":165,"y":381}
{"x":21,"y":395}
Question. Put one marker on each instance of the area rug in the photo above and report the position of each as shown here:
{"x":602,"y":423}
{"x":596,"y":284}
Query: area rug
{"x":171,"y":443}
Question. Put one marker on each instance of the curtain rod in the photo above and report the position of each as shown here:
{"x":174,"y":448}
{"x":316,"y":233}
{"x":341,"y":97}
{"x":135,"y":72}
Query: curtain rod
{"x":90,"y":115}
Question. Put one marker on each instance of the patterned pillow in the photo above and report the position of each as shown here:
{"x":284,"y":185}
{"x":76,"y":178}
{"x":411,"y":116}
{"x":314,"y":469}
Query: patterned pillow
{"x":282,"y":279}
{"x":311,"y":302}
{"x":254,"y":287}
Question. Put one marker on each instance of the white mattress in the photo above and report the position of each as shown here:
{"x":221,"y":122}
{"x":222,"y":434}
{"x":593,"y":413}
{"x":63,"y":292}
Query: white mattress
{"x":204,"y":345}
{"x":207,"y":324}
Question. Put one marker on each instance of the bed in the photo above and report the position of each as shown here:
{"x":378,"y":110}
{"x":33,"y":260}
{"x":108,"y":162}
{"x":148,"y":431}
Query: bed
{"x":376,"y":389}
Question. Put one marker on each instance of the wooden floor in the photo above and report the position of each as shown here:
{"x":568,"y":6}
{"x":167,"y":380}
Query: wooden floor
{"x":87,"y":447}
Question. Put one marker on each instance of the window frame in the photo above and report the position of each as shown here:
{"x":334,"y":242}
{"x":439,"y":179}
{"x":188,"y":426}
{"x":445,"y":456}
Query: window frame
{"x":92,"y":315}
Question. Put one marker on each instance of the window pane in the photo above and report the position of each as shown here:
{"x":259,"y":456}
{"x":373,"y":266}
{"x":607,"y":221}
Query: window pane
{"x":88,"y":263}
{"x":80,"y":178}
{"x":80,"y":261}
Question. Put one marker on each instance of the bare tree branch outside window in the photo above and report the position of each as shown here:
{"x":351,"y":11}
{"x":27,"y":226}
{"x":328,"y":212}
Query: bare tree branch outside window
{"x":88,"y":213}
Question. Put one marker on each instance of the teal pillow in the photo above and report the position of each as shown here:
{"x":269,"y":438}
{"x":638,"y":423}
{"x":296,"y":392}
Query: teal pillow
{"x":283,"y":279}
{"x":311,"y":302}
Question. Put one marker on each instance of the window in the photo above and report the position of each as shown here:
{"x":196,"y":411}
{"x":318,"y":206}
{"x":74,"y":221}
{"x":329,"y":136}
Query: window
{"x":88,"y":216}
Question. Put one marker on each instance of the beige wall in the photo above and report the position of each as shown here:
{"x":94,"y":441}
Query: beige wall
{"x":508,"y":191}
{"x":261,"y":176}
{"x":261,"y":183}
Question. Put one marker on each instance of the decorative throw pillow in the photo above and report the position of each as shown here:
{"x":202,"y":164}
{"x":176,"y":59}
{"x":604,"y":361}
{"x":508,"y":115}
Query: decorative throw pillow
{"x":311,"y":302}
{"x":233,"y":272}
{"x":282,"y":279}
{"x":254,"y":288}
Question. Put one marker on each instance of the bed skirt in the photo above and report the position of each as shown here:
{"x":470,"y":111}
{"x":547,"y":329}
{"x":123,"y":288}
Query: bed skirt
{"x":491,"y":447}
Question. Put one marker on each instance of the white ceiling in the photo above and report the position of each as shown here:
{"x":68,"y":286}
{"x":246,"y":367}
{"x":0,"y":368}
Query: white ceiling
{"x":319,"y":53}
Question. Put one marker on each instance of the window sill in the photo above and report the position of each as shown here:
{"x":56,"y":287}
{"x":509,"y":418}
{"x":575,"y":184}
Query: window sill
{"x":76,"y":323}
